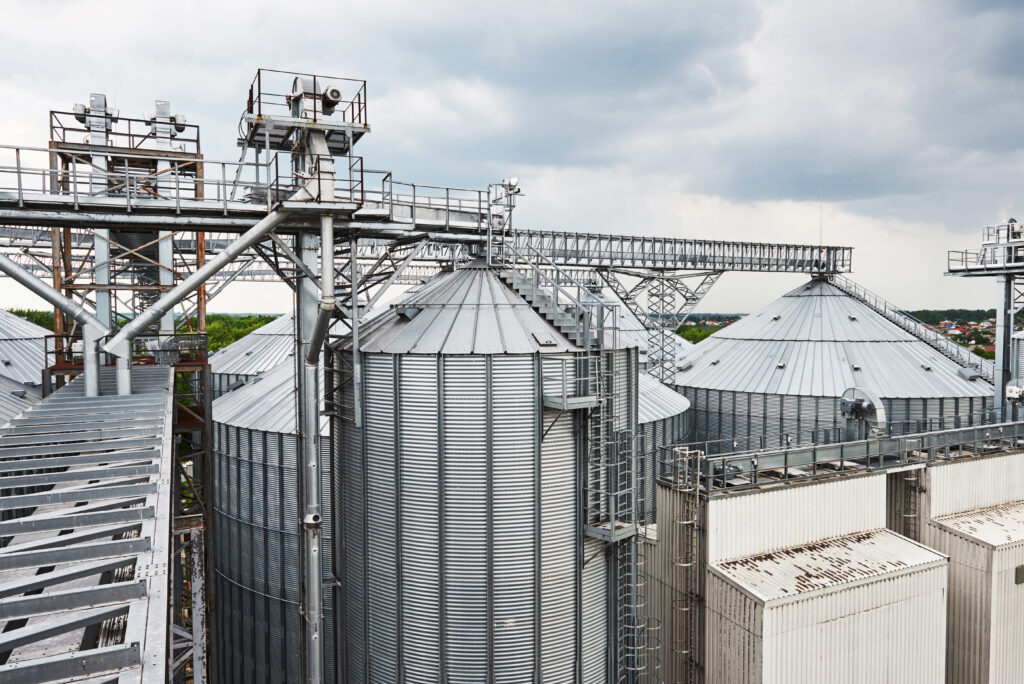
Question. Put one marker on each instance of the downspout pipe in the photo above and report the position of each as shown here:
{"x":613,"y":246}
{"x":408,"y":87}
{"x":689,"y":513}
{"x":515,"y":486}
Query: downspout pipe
{"x":120,"y":344}
{"x":327,"y":301}
{"x":92,"y":330}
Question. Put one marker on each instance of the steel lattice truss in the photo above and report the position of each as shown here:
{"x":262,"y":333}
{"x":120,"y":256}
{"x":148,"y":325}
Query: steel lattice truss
{"x":84,"y":577}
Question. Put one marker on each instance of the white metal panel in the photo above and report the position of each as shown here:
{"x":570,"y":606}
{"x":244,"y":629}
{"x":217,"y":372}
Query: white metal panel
{"x":886,"y":629}
{"x":770,"y":519}
{"x":968,"y":484}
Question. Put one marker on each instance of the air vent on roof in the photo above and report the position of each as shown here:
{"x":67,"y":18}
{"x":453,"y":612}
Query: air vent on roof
{"x":715,"y":362}
{"x":969,"y":373}
{"x":855,"y":366}
{"x":781,"y":364}
{"x":926,"y":366}
{"x":19,"y":393}
{"x":687,"y":365}
{"x":407,"y":312}
{"x":852,"y":317}
{"x":776,"y":317}
{"x":545,"y":338}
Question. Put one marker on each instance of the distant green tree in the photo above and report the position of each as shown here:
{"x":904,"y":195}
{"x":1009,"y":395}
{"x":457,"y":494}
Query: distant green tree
{"x":44,"y":319}
{"x":936,"y":316}
{"x":695,"y":333}
{"x":984,"y":353}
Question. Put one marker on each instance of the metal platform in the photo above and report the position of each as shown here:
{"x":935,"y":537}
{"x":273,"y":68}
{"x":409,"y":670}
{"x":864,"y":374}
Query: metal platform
{"x":85,"y":516}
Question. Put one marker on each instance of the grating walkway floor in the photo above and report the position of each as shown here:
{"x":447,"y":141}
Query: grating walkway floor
{"x":85,"y":512}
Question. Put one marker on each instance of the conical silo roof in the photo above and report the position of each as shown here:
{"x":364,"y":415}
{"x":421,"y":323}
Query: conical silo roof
{"x":657,"y":402}
{"x":469,"y":311}
{"x":266,"y":404}
{"x":22,"y":349}
{"x":14,"y":399}
{"x":261,"y":350}
{"x":819,"y":341}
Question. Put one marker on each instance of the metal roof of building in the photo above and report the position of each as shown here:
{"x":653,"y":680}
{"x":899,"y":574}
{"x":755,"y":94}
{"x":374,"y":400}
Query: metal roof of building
{"x":266,"y":404}
{"x":470,"y":311}
{"x":14,"y":399}
{"x":658,"y":402}
{"x":22,"y":349}
{"x":84,"y":578}
{"x":997,"y":526}
{"x":261,"y":350}
{"x":826,"y":565}
{"x":818,"y":341}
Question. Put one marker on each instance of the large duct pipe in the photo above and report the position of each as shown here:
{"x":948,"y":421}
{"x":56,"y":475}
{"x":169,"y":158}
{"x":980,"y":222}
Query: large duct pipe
{"x":119,"y":344}
{"x":323,"y":320}
{"x":92,"y":329}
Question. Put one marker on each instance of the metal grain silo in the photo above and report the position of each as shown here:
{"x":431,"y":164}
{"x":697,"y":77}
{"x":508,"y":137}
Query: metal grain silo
{"x":458,"y":512}
{"x":22,"y":350}
{"x":247,"y":358}
{"x":781,"y":370}
{"x":664,"y":419}
{"x":256,"y":556}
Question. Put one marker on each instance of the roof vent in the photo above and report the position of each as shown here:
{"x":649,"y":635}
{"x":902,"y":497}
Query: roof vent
{"x":19,"y":393}
{"x":544,"y":338}
{"x":926,"y":366}
{"x":852,"y":317}
{"x":715,"y":362}
{"x":407,"y":312}
{"x":968,"y":373}
{"x":781,"y":364}
{"x":855,"y":366}
{"x":687,"y":365}
{"x":776,"y":317}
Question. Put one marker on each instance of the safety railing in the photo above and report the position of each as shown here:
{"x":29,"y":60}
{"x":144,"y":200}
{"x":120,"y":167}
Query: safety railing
{"x":417,"y":203}
{"x":70,"y":128}
{"x":271,"y":93}
{"x":127,"y":180}
{"x":951,"y":350}
{"x":330,"y":179}
{"x":751,"y":469}
{"x":834,"y":435}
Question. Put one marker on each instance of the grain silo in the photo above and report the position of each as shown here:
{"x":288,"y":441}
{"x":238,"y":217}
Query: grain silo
{"x":459,"y":516}
{"x":664,"y":418}
{"x":247,"y":358}
{"x":14,"y":398}
{"x":256,"y":557}
{"x":781,"y":371}
{"x":22,"y":350}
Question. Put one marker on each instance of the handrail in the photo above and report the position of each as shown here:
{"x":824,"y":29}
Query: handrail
{"x":915,"y":327}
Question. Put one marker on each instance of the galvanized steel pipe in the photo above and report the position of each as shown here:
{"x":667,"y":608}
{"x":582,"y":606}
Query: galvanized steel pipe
{"x":323,"y":320}
{"x":92,"y":329}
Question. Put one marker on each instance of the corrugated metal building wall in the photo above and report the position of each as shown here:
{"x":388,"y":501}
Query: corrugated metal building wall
{"x":973,"y":510}
{"x":779,"y":528}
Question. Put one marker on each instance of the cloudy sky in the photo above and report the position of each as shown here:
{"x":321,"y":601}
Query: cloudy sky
{"x":894,"y":127}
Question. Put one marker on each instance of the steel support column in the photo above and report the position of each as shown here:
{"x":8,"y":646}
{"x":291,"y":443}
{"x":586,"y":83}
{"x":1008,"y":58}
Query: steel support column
{"x":1004,"y":336}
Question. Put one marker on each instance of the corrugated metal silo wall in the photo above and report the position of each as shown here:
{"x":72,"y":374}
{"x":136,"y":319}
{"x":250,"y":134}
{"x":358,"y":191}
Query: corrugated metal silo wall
{"x":459,"y":545}
{"x":655,"y":435}
{"x":256,"y":557}
{"x":725,"y":415}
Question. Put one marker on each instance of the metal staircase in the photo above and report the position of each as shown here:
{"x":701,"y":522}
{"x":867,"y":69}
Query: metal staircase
{"x":951,"y":350}
{"x":610,"y":487}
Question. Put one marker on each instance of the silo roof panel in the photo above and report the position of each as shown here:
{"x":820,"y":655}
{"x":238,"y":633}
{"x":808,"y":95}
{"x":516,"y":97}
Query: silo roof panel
{"x":657,"y":401}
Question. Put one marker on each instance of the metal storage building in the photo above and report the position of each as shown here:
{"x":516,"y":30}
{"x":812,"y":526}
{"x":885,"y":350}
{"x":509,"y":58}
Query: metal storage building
{"x":22,"y":349}
{"x":462,"y":553}
{"x":256,"y":558}
{"x":742,"y":594}
{"x":782,"y":369}
{"x":973,"y":510}
{"x":866,"y":607}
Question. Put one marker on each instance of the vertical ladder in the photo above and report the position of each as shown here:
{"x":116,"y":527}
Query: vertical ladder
{"x":686,"y":604}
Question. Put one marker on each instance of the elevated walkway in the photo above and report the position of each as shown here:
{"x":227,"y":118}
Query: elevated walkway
{"x":85,"y":515}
